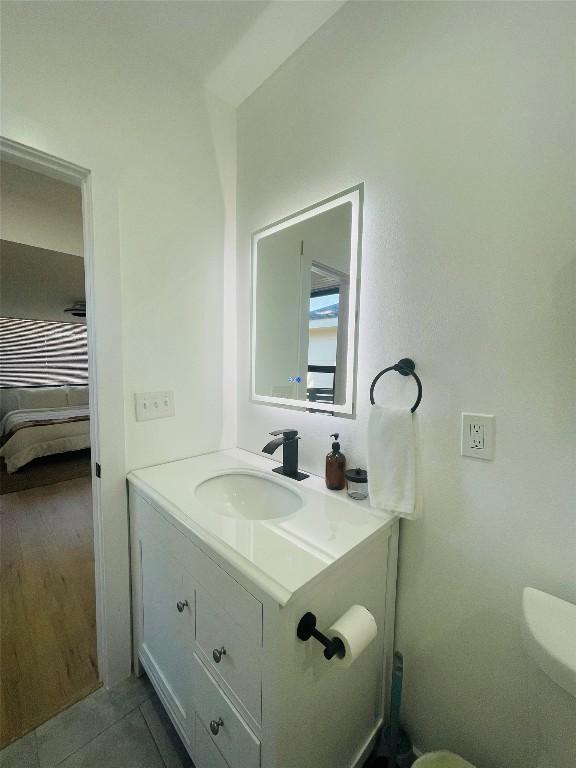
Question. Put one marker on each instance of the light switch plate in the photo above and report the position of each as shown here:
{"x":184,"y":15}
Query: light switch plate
{"x":154,"y":405}
{"x":478,"y":435}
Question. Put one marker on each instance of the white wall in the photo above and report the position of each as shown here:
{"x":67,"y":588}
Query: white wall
{"x":158,"y":218}
{"x":37,"y":284}
{"x":40,"y":211}
{"x":461,"y":120}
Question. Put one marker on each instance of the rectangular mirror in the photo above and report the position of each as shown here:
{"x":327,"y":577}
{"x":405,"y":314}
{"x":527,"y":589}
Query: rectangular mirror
{"x":305,"y":285}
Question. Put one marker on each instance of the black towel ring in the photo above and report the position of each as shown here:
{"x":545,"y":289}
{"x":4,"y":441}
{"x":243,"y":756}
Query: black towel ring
{"x":405,"y":367}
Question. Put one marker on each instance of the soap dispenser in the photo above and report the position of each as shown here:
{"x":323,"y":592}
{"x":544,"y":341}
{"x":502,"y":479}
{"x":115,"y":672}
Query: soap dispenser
{"x":335,"y":467}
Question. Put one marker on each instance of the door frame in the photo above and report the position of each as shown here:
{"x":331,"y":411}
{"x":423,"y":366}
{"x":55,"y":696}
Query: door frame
{"x":48,"y":165}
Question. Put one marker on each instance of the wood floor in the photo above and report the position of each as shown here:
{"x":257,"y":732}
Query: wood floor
{"x":47,"y":604}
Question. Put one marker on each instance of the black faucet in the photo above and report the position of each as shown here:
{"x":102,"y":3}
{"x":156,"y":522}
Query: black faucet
{"x":289,"y":439}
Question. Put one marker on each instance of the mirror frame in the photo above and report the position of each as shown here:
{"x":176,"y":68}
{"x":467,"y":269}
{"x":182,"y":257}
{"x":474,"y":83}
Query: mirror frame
{"x":355,"y":196}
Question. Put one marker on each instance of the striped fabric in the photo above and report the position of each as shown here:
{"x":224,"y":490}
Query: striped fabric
{"x":36,"y":353}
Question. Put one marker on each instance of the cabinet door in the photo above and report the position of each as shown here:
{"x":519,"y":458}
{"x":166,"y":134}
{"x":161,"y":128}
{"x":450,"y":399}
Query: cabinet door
{"x":168,"y":626}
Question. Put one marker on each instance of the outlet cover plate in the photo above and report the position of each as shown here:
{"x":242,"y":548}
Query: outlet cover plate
{"x":478,"y":435}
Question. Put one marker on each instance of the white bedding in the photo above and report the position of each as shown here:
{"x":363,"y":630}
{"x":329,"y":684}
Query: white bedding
{"x":43,"y":439}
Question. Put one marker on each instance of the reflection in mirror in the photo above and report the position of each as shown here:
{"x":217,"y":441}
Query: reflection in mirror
{"x":326,"y":341}
{"x":304,"y":292}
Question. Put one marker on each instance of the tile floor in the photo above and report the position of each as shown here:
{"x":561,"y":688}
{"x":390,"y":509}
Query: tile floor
{"x":125,"y":727}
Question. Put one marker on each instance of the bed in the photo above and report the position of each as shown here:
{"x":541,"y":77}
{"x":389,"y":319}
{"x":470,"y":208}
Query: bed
{"x":42,"y":421}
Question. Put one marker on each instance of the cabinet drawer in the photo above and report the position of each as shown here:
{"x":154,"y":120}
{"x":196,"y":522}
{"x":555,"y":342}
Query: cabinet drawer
{"x":205,"y":753}
{"x":235,"y":740}
{"x":239,"y":666}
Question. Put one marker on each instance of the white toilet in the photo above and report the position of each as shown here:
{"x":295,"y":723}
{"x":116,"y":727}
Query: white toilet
{"x":549,"y":631}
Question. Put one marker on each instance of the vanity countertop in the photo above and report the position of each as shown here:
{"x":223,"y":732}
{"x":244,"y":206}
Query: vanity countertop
{"x":282,"y":554}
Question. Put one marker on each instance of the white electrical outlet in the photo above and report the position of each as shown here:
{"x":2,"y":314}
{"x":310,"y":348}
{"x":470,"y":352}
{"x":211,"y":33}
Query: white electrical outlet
{"x":478,"y":435}
{"x":154,"y":405}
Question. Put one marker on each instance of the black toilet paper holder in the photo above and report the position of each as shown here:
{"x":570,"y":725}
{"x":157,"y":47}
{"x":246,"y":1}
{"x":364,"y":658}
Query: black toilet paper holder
{"x":307,"y":629}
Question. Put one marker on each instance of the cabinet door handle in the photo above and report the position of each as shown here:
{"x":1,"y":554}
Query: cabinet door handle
{"x":181,"y":604}
{"x":217,"y":654}
{"x":215,"y":725}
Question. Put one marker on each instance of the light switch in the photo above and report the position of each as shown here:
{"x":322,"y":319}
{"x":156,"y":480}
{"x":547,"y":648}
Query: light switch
{"x":154,"y":405}
{"x":478,"y":435}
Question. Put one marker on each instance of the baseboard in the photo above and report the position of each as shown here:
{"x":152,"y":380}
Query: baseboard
{"x":366,"y":750}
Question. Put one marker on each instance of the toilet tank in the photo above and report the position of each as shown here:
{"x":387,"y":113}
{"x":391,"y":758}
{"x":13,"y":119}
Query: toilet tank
{"x":549,"y":633}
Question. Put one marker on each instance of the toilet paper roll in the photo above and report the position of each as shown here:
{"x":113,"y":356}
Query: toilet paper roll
{"x":356,"y":628}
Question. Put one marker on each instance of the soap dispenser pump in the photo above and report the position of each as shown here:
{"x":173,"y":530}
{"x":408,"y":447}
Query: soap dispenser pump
{"x":335,"y":467}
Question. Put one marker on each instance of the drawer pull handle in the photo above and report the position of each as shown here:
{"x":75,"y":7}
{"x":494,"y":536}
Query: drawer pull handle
{"x":217,"y":654}
{"x":215,"y":725}
{"x":181,"y":604}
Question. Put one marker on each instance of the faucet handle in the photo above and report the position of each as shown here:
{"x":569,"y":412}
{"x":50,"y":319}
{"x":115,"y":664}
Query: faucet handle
{"x":289,"y":434}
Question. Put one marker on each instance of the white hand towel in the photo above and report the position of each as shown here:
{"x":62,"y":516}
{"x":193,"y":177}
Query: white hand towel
{"x":392,"y":461}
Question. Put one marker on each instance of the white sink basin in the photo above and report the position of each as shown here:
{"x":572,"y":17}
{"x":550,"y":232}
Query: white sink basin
{"x":247,"y":496}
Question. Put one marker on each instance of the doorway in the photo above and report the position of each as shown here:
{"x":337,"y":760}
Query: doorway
{"x":49,"y":650}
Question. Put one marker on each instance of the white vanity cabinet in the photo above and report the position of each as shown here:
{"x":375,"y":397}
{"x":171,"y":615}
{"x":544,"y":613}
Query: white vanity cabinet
{"x":221,"y":649}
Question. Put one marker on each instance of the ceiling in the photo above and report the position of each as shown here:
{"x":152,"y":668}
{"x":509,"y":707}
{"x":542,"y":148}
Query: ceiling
{"x":231,"y":46}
